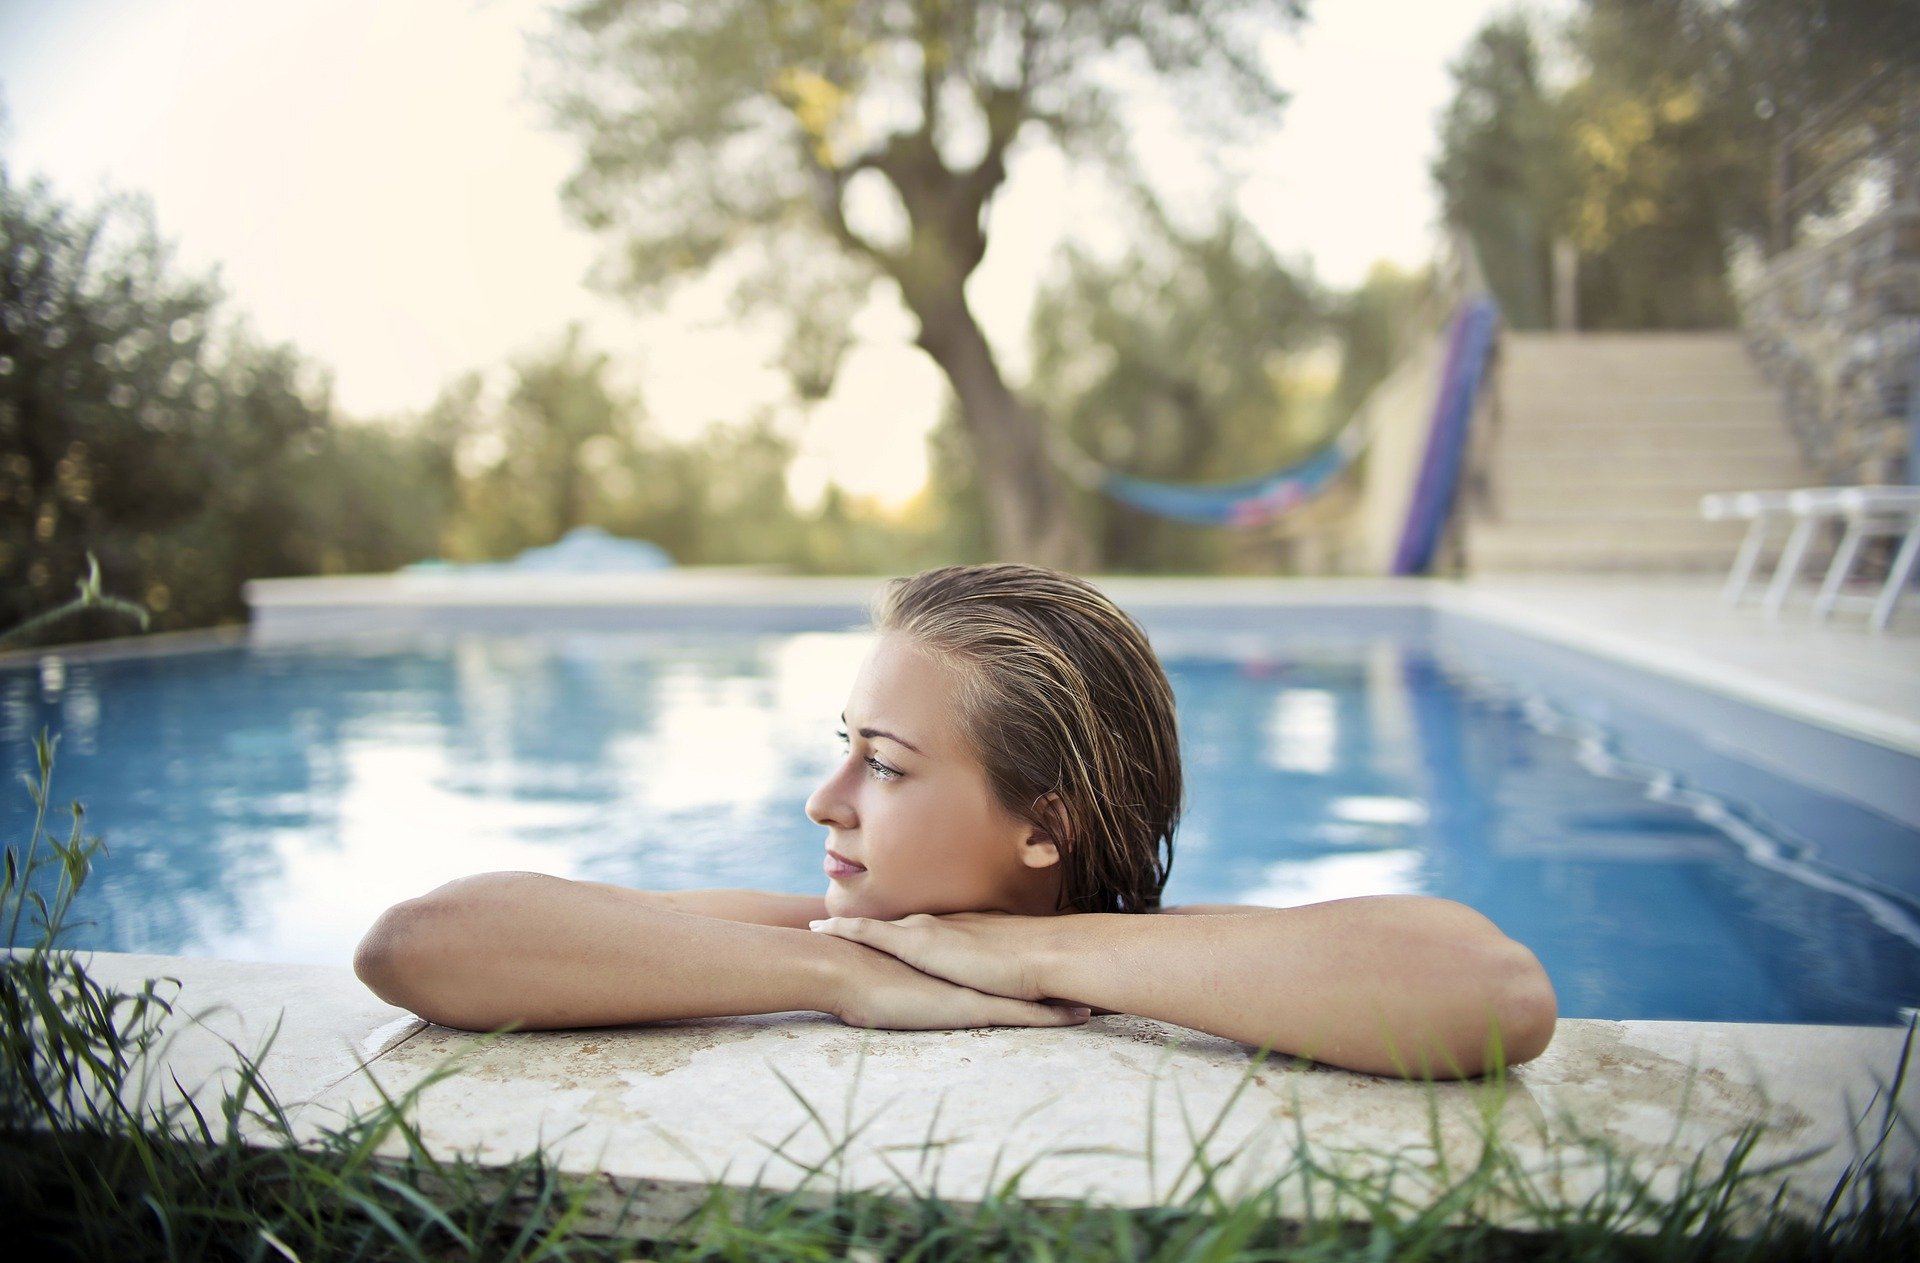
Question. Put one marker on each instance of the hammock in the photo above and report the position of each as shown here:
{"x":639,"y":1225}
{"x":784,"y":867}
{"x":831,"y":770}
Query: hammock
{"x":1242,"y":504}
{"x":1257,"y":501}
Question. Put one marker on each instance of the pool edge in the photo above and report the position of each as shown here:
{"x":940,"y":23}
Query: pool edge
{"x":665,"y":1109}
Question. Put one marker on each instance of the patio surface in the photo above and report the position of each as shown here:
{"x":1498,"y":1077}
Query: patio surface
{"x":1839,"y":673}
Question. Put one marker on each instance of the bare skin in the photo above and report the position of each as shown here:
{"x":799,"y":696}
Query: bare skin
{"x":943,"y":920}
{"x":1369,"y":984}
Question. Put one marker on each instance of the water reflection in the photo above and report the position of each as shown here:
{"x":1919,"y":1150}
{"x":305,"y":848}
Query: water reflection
{"x":268,"y":804}
{"x":1439,"y":783}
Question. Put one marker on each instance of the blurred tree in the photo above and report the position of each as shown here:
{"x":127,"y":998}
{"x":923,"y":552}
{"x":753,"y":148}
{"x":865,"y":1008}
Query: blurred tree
{"x":1377,"y":326}
{"x":720,"y":498}
{"x":541,"y":455}
{"x":1501,"y":168}
{"x":766,"y":133}
{"x":1804,"y":56}
{"x":1657,"y":154}
{"x":444,"y":436}
{"x":104,"y":395}
{"x":1669,"y":162}
{"x":570,"y":450}
{"x":1173,"y":364}
{"x":953,"y":483}
{"x":561,"y":403}
{"x":187,"y":458}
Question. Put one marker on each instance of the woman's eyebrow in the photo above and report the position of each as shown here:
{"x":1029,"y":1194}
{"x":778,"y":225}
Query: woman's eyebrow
{"x":871,"y":733}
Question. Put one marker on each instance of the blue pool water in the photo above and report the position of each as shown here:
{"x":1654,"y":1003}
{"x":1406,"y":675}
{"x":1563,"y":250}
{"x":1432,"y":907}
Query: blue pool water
{"x":266,"y":803}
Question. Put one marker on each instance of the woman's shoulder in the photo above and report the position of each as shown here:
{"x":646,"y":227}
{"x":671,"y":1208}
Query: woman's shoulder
{"x":1215,"y":909}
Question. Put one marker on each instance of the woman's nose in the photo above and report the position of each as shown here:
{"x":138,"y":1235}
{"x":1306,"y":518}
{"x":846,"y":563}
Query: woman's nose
{"x":828,"y":804}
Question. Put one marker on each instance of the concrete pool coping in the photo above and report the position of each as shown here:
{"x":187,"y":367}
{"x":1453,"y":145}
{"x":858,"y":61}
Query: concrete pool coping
{"x":1111,"y":1112}
{"x":660,"y":1111}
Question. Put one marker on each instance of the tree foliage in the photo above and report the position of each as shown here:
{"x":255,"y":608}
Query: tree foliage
{"x":1656,"y":151}
{"x":140,"y":424}
{"x":1174,"y":364}
{"x":815,"y":146}
{"x":135,"y":425}
{"x":1501,"y":172}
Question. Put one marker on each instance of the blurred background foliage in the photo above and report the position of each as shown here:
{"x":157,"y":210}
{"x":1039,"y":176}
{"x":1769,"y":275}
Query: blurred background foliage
{"x":142,"y":421}
{"x":1642,"y":135}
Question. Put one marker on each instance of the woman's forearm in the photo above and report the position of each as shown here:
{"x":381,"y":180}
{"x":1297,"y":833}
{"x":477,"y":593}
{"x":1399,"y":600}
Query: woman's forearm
{"x":1387,"y":985}
{"x":542,"y":952}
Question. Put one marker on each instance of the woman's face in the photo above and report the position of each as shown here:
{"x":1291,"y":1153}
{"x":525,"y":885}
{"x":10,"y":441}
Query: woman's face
{"x":910,"y":804}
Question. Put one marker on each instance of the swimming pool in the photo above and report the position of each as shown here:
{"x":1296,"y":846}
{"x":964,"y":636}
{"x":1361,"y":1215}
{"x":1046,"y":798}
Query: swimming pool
{"x":1653,"y":846}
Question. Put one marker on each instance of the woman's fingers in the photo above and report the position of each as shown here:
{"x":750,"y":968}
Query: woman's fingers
{"x":951,"y":948}
{"x":855,"y":928}
{"x":885,"y":993}
{"x":883,"y":936}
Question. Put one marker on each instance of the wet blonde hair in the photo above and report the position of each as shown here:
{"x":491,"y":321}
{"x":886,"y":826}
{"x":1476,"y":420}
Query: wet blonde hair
{"x":1060,"y":694}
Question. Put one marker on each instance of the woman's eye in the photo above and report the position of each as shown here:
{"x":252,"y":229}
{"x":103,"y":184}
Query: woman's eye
{"x":880,"y":770}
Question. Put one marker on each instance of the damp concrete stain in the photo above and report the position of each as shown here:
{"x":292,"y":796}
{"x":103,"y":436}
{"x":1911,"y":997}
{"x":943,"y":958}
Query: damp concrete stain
{"x":1614,"y":1083}
{"x":565,"y":1057}
{"x":904,"y":1046}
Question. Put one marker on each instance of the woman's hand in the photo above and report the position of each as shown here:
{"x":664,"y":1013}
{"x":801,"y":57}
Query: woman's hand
{"x":874,"y":989}
{"x":995,"y":952}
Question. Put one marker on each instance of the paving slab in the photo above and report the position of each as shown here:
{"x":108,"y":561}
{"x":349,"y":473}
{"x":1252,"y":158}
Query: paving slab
{"x":306,"y":1027}
{"x":1112,"y":1112}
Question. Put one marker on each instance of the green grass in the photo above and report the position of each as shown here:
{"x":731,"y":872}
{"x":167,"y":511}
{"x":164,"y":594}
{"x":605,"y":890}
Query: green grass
{"x":97,"y":1163}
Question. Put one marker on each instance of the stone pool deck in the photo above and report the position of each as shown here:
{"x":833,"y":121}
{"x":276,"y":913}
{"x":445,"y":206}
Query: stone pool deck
{"x":1113,"y":1111}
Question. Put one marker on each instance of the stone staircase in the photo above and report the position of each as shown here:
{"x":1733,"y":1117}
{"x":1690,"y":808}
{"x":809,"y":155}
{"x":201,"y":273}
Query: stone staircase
{"x":1605,"y":444}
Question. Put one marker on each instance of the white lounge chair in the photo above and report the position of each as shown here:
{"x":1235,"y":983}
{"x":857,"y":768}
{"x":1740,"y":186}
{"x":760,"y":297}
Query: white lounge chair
{"x":1759,"y":507}
{"x":1867,"y":511}
{"x":1871,"y":512}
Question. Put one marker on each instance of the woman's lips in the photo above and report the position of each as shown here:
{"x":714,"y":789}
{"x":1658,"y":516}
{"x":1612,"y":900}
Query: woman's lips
{"x":840,"y":866}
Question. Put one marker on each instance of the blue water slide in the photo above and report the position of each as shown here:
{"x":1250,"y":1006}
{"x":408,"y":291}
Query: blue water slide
{"x":1469,"y":349}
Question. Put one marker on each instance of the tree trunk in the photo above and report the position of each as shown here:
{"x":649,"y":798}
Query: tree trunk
{"x":1028,"y":510}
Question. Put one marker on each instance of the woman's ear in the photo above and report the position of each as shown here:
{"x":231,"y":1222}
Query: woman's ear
{"x":1047,"y":839}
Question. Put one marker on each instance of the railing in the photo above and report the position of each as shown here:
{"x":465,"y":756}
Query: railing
{"x":1833,"y":316}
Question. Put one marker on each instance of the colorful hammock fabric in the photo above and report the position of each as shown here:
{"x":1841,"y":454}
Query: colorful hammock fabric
{"x":1256,"y":501}
{"x":1251,"y":502}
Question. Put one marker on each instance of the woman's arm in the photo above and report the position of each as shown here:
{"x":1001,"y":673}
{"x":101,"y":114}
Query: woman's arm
{"x":1402,"y":985}
{"x":760,"y":907}
{"x":542,"y":952}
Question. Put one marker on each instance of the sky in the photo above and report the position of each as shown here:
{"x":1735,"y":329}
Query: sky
{"x":374,"y":183}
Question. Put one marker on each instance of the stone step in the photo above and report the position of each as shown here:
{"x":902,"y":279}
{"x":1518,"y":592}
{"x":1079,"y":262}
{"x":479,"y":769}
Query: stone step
{"x":1680,"y":496}
{"x":1599,"y":407}
{"x":1645,"y":350}
{"x":1676,"y":377}
{"x":1717,"y":471}
{"x":1652,"y":524}
{"x":1575,"y":557}
{"x":1530,"y":547}
{"x":1608,"y":441}
{"x":1667,"y":442}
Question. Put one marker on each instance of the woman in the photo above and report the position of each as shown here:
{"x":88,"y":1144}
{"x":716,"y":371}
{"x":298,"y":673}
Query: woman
{"x":1003,"y":816}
